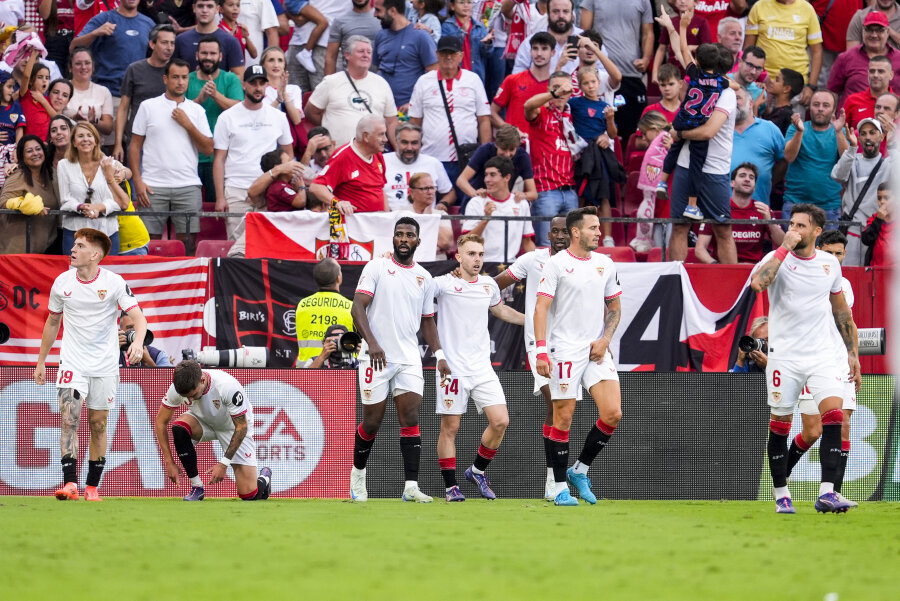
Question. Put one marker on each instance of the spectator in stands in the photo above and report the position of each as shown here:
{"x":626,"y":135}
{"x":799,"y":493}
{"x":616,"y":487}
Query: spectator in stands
{"x":422,"y":193}
{"x":560,"y":24}
{"x":84,"y":10}
{"x":749,"y":67}
{"x":285,"y":97}
{"x":519,"y":87}
{"x":35,"y":176}
{"x":90,"y":101}
{"x":424,"y":14}
{"x":755,"y":361}
{"x":887,"y":111}
{"x":507,"y":143}
{"x":853,"y":170}
{"x":780,"y":89}
{"x":117,"y":38}
{"x":328,"y":302}
{"x":319,"y":149}
{"x":464,"y":92}
{"x":187,"y":44}
{"x":731,"y":35}
{"x":259,"y":17}
{"x":242,"y":135}
{"x":554,"y":172}
{"x":759,"y":142}
{"x":470,"y":32}
{"x":888,"y":8}
{"x":850,"y":72}
{"x":364,"y":191}
{"x":591,"y":55}
{"x":58,"y":138}
{"x":152,"y":357}
{"x":168,"y":132}
{"x":58,"y":94}
{"x":698,"y":32}
{"x":12,"y":121}
{"x":402,"y":51}
{"x":59,"y":30}
{"x":498,"y":201}
{"x":811,"y":149}
{"x":216,"y":90}
{"x":789,"y":32}
{"x":627,"y":30}
{"x":878,"y":235}
{"x":748,"y":239}
{"x":143,"y":79}
{"x":359,"y":21}
{"x":861,"y":105}
{"x":285,"y":190}
{"x":35,"y":106}
{"x":89,"y":187}
{"x":341,"y":100}
{"x":399,"y":167}
{"x":669,"y":83}
{"x":716,"y":12}
{"x":715,"y":186}
{"x":306,"y":53}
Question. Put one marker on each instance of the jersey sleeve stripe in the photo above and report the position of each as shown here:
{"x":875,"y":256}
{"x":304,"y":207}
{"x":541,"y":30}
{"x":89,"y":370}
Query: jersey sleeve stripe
{"x":512,"y":275}
{"x":366,"y":292}
{"x":427,"y":314}
{"x":619,"y":293}
{"x":838,"y":292}
{"x":244,"y":412}
{"x":545,"y":294}
{"x":130,"y":308}
{"x":55,"y":312}
{"x":531,"y":235}
{"x":500,"y":302}
{"x":721,"y":110}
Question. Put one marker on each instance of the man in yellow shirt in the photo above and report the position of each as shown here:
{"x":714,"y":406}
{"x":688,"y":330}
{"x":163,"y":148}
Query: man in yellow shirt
{"x":327,"y":307}
{"x":784,"y":29}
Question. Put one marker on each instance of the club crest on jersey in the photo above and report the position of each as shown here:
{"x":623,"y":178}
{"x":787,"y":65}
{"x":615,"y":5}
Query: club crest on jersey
{"x":487,"y":290}
{"x":776,"y":396}
{"x":448,"y":403}
{"x":367,"y":394}
{"x":827,"y":269}
{"x":563,"y":388}
{"x":217,"y":403}
{"x":420,"y":281}
{"x":600,"y":270}
{"x":516,"y":212}
{"x":101,"y":294}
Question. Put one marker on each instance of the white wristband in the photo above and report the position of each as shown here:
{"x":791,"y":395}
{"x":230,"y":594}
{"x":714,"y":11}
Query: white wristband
{"x":439,"y":355}
{"x":225,"y":461}
{"x":541,"y":349}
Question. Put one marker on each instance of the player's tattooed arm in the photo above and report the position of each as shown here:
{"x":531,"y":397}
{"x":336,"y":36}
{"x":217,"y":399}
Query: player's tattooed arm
{"x":763,"y":277}
{"x":240,"y":431}
{"x":613,"y":316}
{"x":70,"y":413}
{"x":846,"y":327}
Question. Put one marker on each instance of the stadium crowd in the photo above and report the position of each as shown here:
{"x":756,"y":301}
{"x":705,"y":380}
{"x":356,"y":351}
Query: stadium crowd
{"x":485,"y":108}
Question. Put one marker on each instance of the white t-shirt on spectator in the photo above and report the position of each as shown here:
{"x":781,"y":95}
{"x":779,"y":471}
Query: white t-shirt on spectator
{"x":257,"y":16}
{"x":96,"y":96}
{"x":292,"y":94}
{"x":247,"y":135}
{"x":169,"y":158}
{"x":718,"y":156}
{"x":398,"y":173}
{"x":493,"y":233}
{"x":344,"y":107}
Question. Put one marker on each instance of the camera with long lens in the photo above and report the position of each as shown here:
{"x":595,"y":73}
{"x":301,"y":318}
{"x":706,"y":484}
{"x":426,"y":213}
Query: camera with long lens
{"x":748,"y":344}
{"x":246,"y":356}
{"x":129,"y":338}
{"x":347,"y":349}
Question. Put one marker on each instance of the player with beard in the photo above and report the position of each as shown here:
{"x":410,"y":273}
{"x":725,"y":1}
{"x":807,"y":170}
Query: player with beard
{"x":529,"y":267}
{"x":573,"y":350}
{"x":806,"y":303}
{"x":394,"y":299}
{"x":463,"y":303}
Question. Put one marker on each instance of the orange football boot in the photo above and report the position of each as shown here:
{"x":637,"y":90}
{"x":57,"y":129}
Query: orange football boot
{"x":69,"y":492}
{"x":91,"y":494}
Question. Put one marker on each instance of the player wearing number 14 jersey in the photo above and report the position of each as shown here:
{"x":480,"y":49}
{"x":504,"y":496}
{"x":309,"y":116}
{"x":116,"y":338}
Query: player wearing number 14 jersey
{"x":463,"y":304}
{"x":573,"y":347}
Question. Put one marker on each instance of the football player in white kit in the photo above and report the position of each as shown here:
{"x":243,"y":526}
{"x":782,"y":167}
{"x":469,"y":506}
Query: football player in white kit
{"x":394,"y":298}
{"x":462,"y":304}
{"x":529,"y":267}
{"x":808,"y":321}
{"x":834,"y":243}
{"x":218,"y":409}
{"x":89,"y":300}
{"x":573,"y":347}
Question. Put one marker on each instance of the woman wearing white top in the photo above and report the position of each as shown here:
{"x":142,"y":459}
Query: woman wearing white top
{"x":280,"y":94}
{"x":88,"y":185}
{"x":90,"y":101}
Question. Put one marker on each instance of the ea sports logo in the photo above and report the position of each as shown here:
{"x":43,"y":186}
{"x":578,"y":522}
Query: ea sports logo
{"x":289,"y":433}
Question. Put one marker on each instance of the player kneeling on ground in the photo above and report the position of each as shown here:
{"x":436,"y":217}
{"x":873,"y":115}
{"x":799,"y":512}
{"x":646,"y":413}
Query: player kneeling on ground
{"x":218,"y":410}
{"x":462,"y":304}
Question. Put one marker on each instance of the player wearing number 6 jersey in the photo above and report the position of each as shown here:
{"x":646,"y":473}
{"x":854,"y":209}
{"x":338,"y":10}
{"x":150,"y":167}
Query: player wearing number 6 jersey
{"x":573,"y":347}
{"x":809,"y":320}
{"x":463,"y":304}
{"x":89,"y":300}
{"x":394,"y":298}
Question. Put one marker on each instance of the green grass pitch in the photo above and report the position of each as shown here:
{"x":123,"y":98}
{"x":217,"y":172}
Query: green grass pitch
{"x":223,"y":550}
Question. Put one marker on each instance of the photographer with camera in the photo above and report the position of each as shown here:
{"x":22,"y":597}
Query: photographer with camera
{"x":339,"y":347}
{"x":318,"y":312}
{"x":752,"y":349}
{"x":152,"y":357}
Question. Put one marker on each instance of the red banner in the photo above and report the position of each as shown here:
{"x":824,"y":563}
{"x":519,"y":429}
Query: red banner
{"x":303,"y":421}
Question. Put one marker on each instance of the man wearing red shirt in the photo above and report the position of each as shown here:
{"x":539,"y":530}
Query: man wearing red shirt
{"x":87,"y":9}
{"x":747,"y":238}
{"x":517,"y":88}
{"x":849,"y":74}
{"x":355,"y":174}
{"x":861,"y":105}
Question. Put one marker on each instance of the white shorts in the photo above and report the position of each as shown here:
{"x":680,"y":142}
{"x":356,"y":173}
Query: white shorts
{"x":246,"y":453}
{"x":453,"y":399}
{"x":809,"y":407}
{"x":786,"y":380}
{"x":568,"y":376}
{"x":99,"y":393}
{"x":539,"y":380}
{"x":374,"y":385}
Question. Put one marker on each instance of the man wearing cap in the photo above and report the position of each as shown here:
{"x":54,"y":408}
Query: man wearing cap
{"x":242,"y":135}
{"x":467,"y":102}
{"x":889,"y":9}
{"x":861,"y":105}
{"x":849,"y":74}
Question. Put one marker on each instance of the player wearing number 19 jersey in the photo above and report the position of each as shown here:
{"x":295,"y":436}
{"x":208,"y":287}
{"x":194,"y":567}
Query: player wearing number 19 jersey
{"x":394,"y":298}
{"x":573,"y":349}
{"x":463,"y":304}
{"x":808,"y":320}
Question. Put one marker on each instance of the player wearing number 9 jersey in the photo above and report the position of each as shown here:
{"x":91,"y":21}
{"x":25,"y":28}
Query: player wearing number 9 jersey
{"x":573,"y":347}
{"x":88,"y":299}
{"x":808,"y":320}
{"x":463,"y":304}
{"x":394,"y":298}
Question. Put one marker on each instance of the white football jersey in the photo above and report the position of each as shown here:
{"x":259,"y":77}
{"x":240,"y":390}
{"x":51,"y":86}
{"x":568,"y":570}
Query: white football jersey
{"x":529,"y":267}
{"x":576,"y":286}
{"x":463,"y":321}
{"x":224,"y":398}
{"x":401,"y":296}
{"x":801,"y":324}
{"x":493,"y":232}
{"x":90,"y":310}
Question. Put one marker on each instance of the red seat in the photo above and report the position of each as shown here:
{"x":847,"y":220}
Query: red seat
{"x":213,"y":248}
{"x":691,"y":256}
{"x":655,"y":255}
{"x":619,"y":254}
{"x":167,"y":248}
{"x":619,"y":233}
{"x":211,"y":228}
{"x":635,"y":161}
{"x":619,"y":150}
{"x":633,"y":195}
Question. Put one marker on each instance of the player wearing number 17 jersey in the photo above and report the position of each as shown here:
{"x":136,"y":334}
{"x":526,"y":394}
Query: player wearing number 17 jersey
{"x":808,"y":320}
{"x":394,"y":298}
{"x":573,"y":347}
{"x":463,"y":304}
